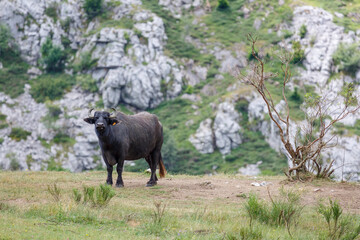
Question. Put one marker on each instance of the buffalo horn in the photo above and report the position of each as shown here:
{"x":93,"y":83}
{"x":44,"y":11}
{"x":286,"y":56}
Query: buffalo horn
{"x":90,"y":112}
{"x":112,"y":114}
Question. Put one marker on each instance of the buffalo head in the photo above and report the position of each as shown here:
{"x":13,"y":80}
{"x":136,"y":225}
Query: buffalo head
{"x":101,"y":120}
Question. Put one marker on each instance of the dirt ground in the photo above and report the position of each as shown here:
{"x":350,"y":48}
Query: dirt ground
{"x":235,"y":189}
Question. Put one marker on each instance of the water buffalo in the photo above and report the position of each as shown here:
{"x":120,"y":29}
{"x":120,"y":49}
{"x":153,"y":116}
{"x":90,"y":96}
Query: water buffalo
{"x":129,"y":137}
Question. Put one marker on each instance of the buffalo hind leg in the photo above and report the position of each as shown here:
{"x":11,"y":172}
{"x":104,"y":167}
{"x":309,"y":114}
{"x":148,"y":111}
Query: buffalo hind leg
{"x":154,"y":160}
{"x":119,"y":169}
{"x":148,"y":160}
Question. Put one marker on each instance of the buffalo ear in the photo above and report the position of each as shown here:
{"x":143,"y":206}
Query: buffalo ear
{"x":113,"y":121}
{"x":90,"y":120}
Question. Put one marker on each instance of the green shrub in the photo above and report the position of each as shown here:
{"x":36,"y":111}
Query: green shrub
{"x":104,"y":193}
{"x":339,"y":226}
{"x":85,"y":63}
{"x":54,"y":111}
{"x":18,"y":134}
{"x":14,"y":164}
{"x":97,"y":197}
{"x":223,"y":4}
{"x":303,"y":31}
{"x":52,"y":57}
{"x":296,"y":97}
{"x":1,"y":140}
{"x":189,"y":89}
{"x":87,"y":83}
{"x":77,"y":195}
{"x":51,"y":11}
{"x":54,"y":191}
{"x":62,"y":138}
{"x":347,"y":58}
{"x":298,"y":53}
{"x":5,"y":38}
{"x":283,"y":211}
{"x":93,"y":8}
{"x":50,"y":86}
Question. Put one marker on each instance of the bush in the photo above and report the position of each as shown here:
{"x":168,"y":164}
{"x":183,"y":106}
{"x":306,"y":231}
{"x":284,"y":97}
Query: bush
{"x":51,"y":11}
{"x":338,"y":225}
{"x":283,"y":211}
{"x":347,"y":58}
{"x":299,"y":54}
{"x":223,"y":4}
{"x":14,"y":164}
{"x":5,"y":38}
{"x":103,"y":195}
{"x":62,"y":138}
{"x":93,"y":8}
{"x":50,"y":86}
{"x":18,"y":134}
{"x":87,"y":83}
{"x":303,"y":31}
{"x":54,"y":111}
{"x":52,"y":57}
{"x":85,"y":63}
{"x":54,"y":191}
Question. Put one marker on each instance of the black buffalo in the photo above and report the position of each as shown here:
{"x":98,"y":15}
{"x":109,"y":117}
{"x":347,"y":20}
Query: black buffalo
{"x":129,"y":137}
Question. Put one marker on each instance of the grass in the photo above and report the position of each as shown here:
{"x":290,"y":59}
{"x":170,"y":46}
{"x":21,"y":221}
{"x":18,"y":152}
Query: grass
{"x":28,"y":211}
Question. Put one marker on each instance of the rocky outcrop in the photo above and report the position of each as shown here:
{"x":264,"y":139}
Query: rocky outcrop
{"x":132,"y":63}
{"x":203,"y":139}
{"x":176,"y":6}
{"x":37,"y":150}
{"x":224,"y":133}
{"x":320,"y":42}
{"x":30,"y":26}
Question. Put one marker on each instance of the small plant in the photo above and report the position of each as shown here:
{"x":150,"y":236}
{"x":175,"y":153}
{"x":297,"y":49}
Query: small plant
{"x":14,"y":164}
{"x":93,"y":8}
{"x":295,"y":96}
{"x":18,"y":134}
{"x":85,"y":63}
{"x":189,"y":89}
{"x":77,"y":195}
{"x":159,"y":211}
{"x":97,"y":197}
{"x":282,"y":212}
{"x":89,"y":195}
{"x":50,"y":86}
{"x":223,"y":4}
{"x":347,"y":58}
{"x":303,"y":31}
{"x":54,"y":191}
{"x":104,"y":194}
{"x":51,"y":11}
{"x":5,"y":39}
{"x":54,"y":111}
{"x":87,"y":83}
{"x":52,"y":57}
{"x":338,"y":225}
{"x":298,"y":53}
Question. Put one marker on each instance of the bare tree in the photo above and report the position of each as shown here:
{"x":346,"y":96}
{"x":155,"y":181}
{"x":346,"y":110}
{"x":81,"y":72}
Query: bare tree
{"x":305,"y":148}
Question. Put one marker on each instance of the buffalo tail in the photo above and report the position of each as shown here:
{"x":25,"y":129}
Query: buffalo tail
{"x":162,"y":168}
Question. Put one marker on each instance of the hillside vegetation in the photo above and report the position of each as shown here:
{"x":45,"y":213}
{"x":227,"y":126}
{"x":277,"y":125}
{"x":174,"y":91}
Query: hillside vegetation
{"x":42,"y":205}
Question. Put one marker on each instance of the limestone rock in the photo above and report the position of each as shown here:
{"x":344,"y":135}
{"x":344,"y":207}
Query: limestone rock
{"x":203,"y":139}
{"x":226,"y":128}
{"x":224,"y":134}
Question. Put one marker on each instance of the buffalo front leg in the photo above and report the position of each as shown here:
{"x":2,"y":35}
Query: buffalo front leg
{"x":109,"y":169}
{"x":119,"y":169}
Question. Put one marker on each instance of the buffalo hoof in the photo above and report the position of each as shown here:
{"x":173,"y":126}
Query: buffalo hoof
{"x":119,"y":185}
{"x":151,"y":184}
{"x":109,"y":183}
